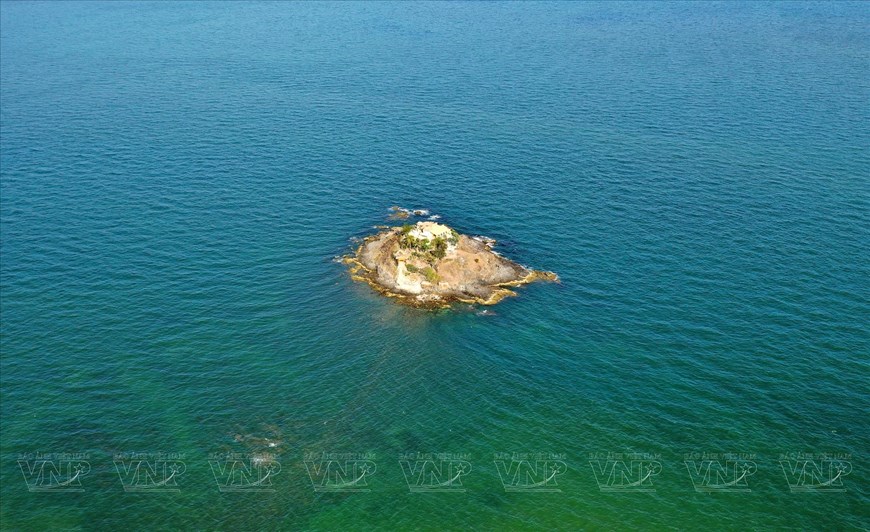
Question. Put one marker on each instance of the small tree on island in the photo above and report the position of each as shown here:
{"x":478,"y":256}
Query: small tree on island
{"x":439,"y":248}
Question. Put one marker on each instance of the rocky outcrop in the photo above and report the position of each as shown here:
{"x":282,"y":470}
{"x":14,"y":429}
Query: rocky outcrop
{"x":430,"y":265}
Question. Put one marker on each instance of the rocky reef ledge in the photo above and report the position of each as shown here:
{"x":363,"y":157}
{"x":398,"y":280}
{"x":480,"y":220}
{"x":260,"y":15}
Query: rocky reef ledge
{"x":430,"y":265}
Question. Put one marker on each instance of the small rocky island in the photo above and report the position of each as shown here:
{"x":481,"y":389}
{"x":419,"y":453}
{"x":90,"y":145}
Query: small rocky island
{"x":430,"y":265}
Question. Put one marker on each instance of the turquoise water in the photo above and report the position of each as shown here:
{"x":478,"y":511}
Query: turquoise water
{"x":177,"y":180}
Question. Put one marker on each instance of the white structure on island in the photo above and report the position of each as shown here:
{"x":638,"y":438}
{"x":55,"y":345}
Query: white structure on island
{"x":432,"y":230}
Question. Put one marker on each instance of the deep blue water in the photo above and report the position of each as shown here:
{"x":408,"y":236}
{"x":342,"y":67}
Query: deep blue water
{"x":178,"y":178}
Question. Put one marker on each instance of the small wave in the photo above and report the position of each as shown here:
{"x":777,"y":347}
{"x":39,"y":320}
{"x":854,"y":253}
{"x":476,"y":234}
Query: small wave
{"x":485,"y":239}
{"x":415,"y":212}
{"x":401,"y":213}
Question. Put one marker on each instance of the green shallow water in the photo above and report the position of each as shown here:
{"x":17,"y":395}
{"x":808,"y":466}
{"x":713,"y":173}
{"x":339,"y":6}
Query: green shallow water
{"x":177,"y":180}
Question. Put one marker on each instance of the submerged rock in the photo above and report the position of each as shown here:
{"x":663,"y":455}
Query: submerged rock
{"x":430,"y":265}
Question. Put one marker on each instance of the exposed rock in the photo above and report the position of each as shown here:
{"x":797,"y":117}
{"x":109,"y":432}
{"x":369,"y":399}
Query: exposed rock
{"x":430,"y":265}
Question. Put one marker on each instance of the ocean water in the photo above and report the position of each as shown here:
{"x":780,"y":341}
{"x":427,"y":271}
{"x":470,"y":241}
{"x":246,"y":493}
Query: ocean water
{"x":178,"y":178}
